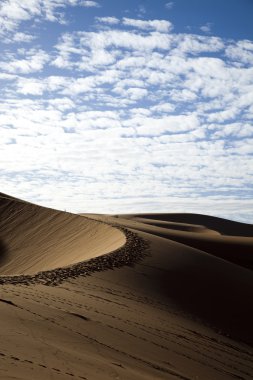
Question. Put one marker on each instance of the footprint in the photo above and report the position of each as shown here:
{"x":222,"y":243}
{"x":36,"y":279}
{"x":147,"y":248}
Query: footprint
{"x":80,"y":316}
{"x":8,"y":302}
{"x":118,"y":365}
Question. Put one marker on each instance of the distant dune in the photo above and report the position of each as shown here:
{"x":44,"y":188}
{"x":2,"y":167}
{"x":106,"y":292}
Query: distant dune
{"x":144,"y":296}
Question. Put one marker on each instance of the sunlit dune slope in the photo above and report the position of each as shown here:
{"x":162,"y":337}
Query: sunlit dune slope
{"x":177,"y":226}
{"x":34,"y":238}
{"x":223,"y":226}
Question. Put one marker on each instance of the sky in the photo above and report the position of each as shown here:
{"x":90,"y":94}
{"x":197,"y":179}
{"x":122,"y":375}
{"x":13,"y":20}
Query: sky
{"x":115,"y":106}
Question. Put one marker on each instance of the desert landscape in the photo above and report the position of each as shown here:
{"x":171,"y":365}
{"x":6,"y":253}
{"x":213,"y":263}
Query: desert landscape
{"x":144,"y":296}
{"x":126,"y":199}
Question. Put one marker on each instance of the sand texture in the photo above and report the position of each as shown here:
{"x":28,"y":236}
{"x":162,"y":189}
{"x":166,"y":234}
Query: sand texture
{"x":133,"y":297}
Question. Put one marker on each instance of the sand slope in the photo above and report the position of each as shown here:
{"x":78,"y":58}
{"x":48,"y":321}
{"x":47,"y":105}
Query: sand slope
{"x":35,"y":239}
{"x":224,"y":226}
{"x":177,"y":312}
{"x":237,"y":249}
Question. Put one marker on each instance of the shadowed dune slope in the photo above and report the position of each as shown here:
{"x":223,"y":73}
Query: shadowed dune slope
{"x":34,"y":238}
{"x":209,"y":285}
{"x":215,"y":290}
{"x":229,"y":240}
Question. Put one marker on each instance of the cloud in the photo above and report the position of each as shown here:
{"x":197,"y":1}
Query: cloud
{"x":19,"y":37}
{"x":148,"y":126}
{"x":7,"y":77}
{"x":206,"y":28}
{"x":27,"y":86}
{"x":163,"y":108}
{"x":182,"y":95}
{"x":14,"y":12}
{"x":33,"y":61}
{"x":241,"y":52}
{"x":89,"y":4}
{"x":108,"y":20}
{"x":195,"y":44}
{"x":102,"y":48}
{"x":155,"y":25}
{"x":158,"y":25}
{"x":169,"y":5}
{"x":172,"y":113}
{"x":237,"y":130}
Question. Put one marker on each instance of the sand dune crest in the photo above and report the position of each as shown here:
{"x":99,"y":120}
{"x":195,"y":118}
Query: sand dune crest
{"x":35,"y":238}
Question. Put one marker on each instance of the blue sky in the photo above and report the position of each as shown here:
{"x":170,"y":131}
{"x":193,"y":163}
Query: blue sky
{"x":111,"y":106}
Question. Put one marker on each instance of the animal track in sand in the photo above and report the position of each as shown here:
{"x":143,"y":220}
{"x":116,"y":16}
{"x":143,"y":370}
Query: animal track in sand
{"x":5,"y":356}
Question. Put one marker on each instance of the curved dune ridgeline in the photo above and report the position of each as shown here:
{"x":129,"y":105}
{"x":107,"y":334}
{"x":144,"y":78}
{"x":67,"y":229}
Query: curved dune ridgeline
{"x":223,"y":226}
{"x":34,"y":238}
{"x":140,"y":297}
{"x":231,"y":241}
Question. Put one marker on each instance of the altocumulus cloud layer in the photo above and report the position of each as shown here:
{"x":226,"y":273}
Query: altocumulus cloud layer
{"x":125,"y":115}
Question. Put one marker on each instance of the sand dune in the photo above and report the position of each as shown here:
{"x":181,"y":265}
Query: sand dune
{"x":147,"y":296}
{"x":176,"y":226}
{"x":236,"y":249}
{"x":36,"y":239}
{"x":224,"y":226}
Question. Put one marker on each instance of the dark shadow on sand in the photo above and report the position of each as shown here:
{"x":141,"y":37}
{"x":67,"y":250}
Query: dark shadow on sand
{"x":3,"y":252}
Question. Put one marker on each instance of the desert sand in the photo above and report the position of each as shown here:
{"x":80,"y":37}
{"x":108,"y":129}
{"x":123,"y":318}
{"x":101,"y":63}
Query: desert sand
{"x":147,"y":296}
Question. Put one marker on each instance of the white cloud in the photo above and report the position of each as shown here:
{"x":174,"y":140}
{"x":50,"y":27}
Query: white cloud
{"x":238,"y":130}
{"x":206,"y":28}
{"x":30,"y":86}
{"x":195,"y":44}
{"x":169,"y":5}
{"x":108,"y":20}
{"x":19,"y":37}
{"x":13,"y":12}
{"x":34,"y":61}
{"x":172,"y":114}
{"x":135,"y":93}
{"x":80,"y":85}
{"x":50,"y":8}
{"x":182,"y":95}
{"x":103,"y":47}
{"x":35,"y":86}
{"x":4,"y":76}
{"x":158,"y":25}
{"x":149,"y":126}
{"x":222,"y":116}
{"x":90,"y":49}
{"x":125,"y":39}
{"x":241,"y":52}
{"x":89,"y":3}
{"x":155,"y":25}
{"x":140,"y":112}
{"x":163,"y":107}
{"x":62,"y":104}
